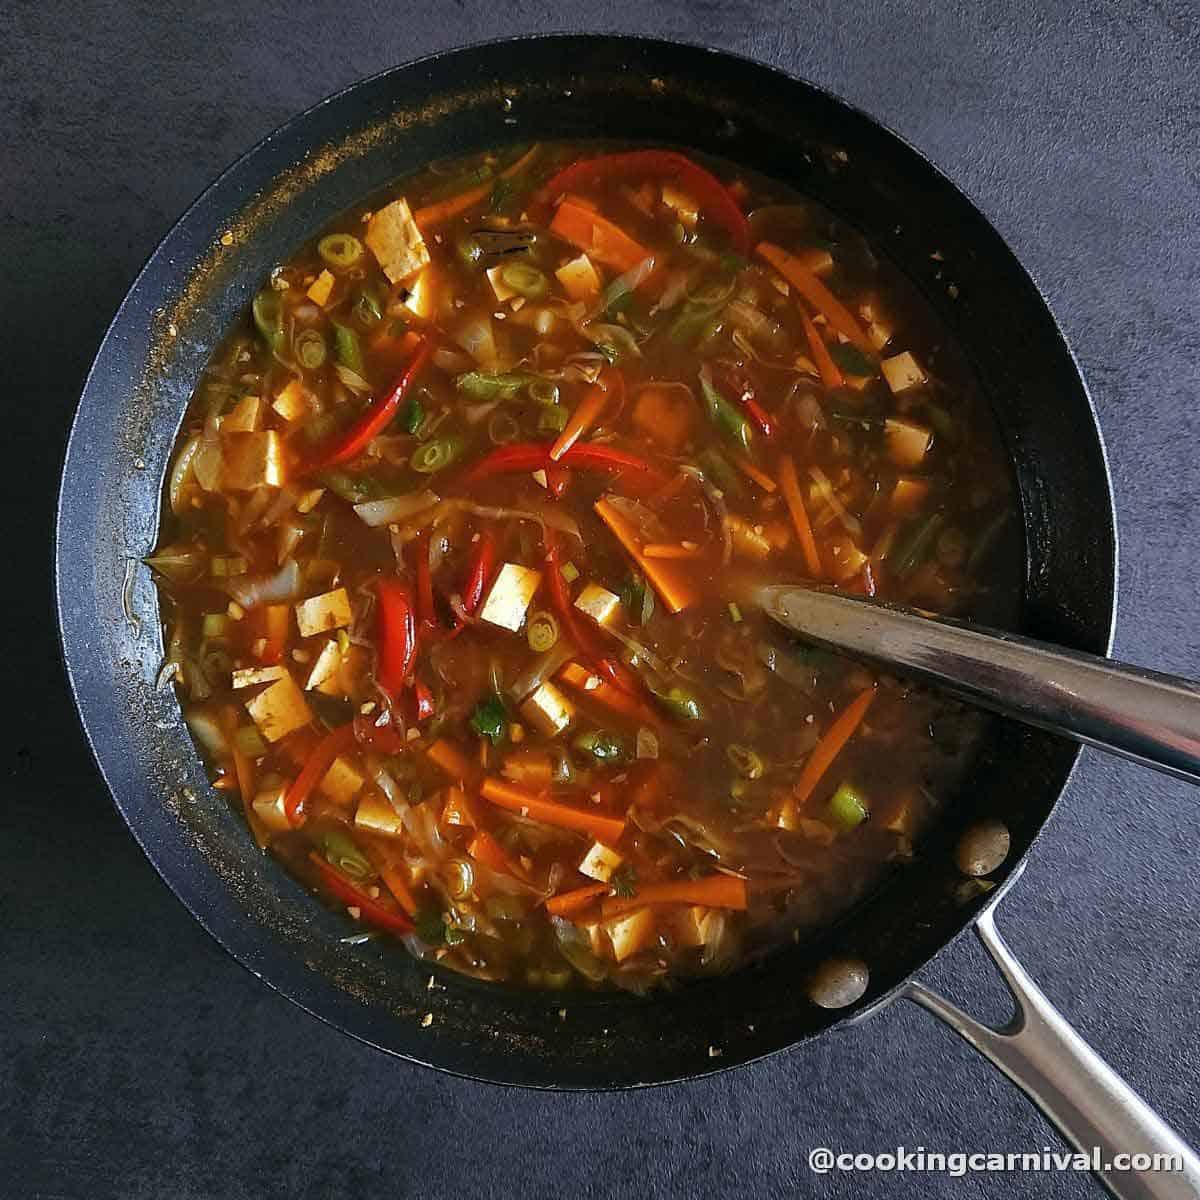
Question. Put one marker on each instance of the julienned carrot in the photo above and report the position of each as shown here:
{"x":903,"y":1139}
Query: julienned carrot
{"x":831,"y":376}
{"x":752,"y":472}
{"x":716,"y":891}
{"x":451,"y":759}
{"x":597,"y":236}
{"x":566,"y":904}
{"x":243,"y":769}
{"x":823,"y":754}
{"x":435,"y":214}
{"x":816,"y":293}
{"x":672,"y":550}
{"x":604,"y":829}
{"x":382,"y":861}
{"x":790,"y":486}
{"x":486,"y":850}
{"x":587,"y":412}
{"x":672,"y":584}
{"x":313,"y":771}
{"x":593,"y":687}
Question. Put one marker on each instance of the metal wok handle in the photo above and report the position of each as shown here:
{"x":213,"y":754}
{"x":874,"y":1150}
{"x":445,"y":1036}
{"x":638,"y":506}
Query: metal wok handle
{"x":1096,"y":1111}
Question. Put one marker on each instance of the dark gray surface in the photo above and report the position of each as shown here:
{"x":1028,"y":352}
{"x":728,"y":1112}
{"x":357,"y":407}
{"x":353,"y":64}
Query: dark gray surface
{"x":137,"y":1060}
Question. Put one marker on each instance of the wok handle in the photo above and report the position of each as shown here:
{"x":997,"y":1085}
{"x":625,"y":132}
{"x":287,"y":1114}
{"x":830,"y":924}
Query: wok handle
{"x":1095,"y":1110}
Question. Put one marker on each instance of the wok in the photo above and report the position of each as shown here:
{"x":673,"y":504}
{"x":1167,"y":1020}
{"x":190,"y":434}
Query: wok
{"x":204,"y":273}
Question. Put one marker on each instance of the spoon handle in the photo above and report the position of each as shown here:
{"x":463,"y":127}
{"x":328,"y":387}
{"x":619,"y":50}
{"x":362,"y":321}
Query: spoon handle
{"x":1146,"y":716}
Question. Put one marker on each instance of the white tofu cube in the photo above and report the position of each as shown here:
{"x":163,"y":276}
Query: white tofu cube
{"x":548,"y":710}
{"x":375,"y":814}
{"x":579,"y":278}
{"x":907,"y":441}
{"x":252,"y":460}
{"x":325,"y":675}
{"x":294,"y":402}
{"x":342,"y":782}
{"x":499,"y":287}
{"x":600,"y":862}
{"x":422,"y":295}
{"x":598,"y":603}
{"x":396,"y":242}
{"x":245,"y":417}
{"x":630,"y":933}
{"x":902,"y":372}
{"x":279,"y":709}
{"x":320,"y":614}
{"x":268,"y":808}
{"x":249,"y":676}
{"x":510,"y":596}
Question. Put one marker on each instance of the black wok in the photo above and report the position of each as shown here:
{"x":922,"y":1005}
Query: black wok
{"x":206,"y":270}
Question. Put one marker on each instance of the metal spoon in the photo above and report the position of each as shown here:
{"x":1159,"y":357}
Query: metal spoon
{"x":1149,"y":717}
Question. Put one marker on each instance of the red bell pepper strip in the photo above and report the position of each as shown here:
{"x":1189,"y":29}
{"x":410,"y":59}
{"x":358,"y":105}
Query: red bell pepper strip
{"x":319,"y":760}
{"x":715,"y":199}
{"x":742,"y":390}
{"x":423,"y":701}
{"x":375,"y":420}
{"x":483,"y":562}
{"x":426,"y":613}
{"x":368,"y":910}
{"x":397,"y":634}
{"x":577,"y":629}
{"x":586,"y":456}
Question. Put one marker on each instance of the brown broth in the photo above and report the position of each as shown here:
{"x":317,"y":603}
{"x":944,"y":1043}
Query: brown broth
{"x":687,"y":757}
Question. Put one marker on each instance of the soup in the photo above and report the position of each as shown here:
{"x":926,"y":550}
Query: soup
{"x":460,"y":542}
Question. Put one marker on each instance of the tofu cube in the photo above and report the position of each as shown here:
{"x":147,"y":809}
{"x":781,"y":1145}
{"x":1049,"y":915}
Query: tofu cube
{"x":245,"y":417}
{"x":548,"y":710}
{"x":600,"y":862}
{"x":510,"y":596}
{"x":268,"y":808}
{"x":598,"y":603}
{"x":907,"y":442}
{"x":252,"y":460}
{"x":279,"y":709}
{"x":686,"y":208}
{"x":342,"y":782}
{"x":630,"y":933}
{"x":319,"y":614}
{"x":903,"y":372}
{"x":249,"y":676}
{"x":294,"y":402}
{"x":375,"y":814}
{"x":907,"y":496}
{"x":422,"y":295}
{"x":320,"y":288}
{"x":690,"y":926}
{"x":499,"y":287}
{"x":396,"y":242}
{"x":579,"y":278}
{"x":326,"y":672}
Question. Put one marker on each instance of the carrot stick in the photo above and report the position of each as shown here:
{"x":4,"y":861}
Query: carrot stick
{"x":816,"y":293}
{"x":451,"y":759}
{"x":717,"y":891}
{"x":599,"y":237}
{"x":671,"y":550}
{"x":831,"y":377}
{"x":604,"y":829}
{"x":823,"y":754}
{"x":565,"y":904}
{"x":790,"y":486}
{"x":381,"y":860}
{"x":313,"y":771}
{"x":753,"y":473}
{"x":243,"y":770}
{"x":578,"y":678}
{"x":587,"y":413}
{"x":435,"y":214}
{"x":486,"y":850}
{"x":669,"y":581}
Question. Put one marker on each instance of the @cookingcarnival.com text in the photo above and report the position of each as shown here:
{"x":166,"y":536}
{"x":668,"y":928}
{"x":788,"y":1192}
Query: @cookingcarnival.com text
{"x":957,"y":1163}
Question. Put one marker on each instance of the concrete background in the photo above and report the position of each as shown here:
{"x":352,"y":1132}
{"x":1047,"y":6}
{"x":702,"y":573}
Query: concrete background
{"x":138,"y":1061}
